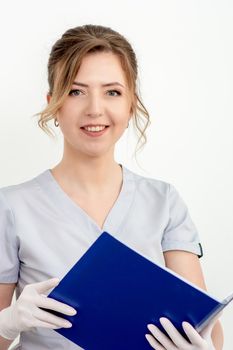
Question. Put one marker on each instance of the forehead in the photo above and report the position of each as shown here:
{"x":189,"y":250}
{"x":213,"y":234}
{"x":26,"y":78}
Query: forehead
{"x":101,"y":67}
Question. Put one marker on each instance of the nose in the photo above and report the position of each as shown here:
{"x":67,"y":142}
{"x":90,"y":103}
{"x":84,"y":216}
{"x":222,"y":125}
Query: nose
{"x":94,"y":106}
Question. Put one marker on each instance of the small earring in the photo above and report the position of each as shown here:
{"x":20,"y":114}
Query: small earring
{"x":56,"y":122}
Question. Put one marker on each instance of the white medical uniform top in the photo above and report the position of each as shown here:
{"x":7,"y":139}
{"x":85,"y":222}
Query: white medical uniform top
{"x":43,"y":233}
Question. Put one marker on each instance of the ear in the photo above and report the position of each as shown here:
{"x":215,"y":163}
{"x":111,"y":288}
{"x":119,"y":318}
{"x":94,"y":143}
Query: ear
{"x":133,"y":103}
{"x":48,"y":97}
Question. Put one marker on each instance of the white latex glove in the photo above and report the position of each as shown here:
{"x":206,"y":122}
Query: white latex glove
{"x":25,"y":313}
{"x":199,"y":341}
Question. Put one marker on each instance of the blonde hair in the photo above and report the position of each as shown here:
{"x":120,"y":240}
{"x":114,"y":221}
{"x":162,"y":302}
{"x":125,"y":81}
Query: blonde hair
{"x":64,"y":62}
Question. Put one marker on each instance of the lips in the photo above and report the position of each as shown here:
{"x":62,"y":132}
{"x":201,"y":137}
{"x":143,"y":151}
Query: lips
{"x":94,"y":134}
{"x":93,"y":125}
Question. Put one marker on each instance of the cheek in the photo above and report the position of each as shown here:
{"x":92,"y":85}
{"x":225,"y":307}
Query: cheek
{"x":67,"y":116}
{"x":68,"y":110}
{"x":121,"y":114}
{"x":68,"y":125}
{"x":119,"y":121}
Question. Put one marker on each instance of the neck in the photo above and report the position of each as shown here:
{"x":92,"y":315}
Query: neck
{"x":89,"y":176}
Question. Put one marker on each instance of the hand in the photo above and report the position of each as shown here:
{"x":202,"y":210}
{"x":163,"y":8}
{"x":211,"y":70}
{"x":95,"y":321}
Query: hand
{"x":25,"y":313}
{"x":199,"y":341}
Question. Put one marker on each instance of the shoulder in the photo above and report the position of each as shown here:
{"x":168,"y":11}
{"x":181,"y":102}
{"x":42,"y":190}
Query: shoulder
{"x":150,"y":185}
{"x":16,"y":193}
{"x":159,"y":193}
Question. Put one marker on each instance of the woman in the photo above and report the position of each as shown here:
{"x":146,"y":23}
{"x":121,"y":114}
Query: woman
{"x":48,"y":222}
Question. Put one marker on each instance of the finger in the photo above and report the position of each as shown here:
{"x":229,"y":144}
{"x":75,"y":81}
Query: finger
{"x":192,"y":334}
{"x":162,"y":338}
{"x":48,"y":325}
{"x":44,"y":286}
{"x":153,"y":342}
{"x":52,"y":304}
{"x":173,"y":333}
{"x":47,"y":317}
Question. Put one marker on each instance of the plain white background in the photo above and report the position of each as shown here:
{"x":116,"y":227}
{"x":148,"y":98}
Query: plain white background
{"x":185,"y":56}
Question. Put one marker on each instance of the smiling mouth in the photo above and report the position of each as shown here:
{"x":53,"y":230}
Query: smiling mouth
{"x":82,"y":127}
{"x":94,"y":133}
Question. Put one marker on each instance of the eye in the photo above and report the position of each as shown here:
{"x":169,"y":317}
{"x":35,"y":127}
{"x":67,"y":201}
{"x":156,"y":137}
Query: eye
{"x":72,"y":91}
{"x":118,"y":92}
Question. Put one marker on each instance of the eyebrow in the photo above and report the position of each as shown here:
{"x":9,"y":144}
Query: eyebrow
{"x":107,"y":84}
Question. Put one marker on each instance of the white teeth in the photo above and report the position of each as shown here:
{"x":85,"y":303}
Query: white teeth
{"x":94,"y":128}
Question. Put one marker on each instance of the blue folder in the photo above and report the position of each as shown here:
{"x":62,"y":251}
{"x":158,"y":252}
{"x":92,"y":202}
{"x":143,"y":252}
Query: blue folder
{"x":117,"y":292}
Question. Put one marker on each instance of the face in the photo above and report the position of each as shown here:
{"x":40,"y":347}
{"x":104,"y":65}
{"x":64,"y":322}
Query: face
{"x":90,"y":102}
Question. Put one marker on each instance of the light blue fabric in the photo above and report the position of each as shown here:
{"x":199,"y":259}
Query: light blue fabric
{"x":43,"y":232}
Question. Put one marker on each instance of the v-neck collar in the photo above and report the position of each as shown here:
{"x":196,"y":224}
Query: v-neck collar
{"x":117,"y":213}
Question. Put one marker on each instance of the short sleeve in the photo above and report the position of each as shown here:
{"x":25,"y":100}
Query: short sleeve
{"x":180,"y":232}
{"x":9,"y":266}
